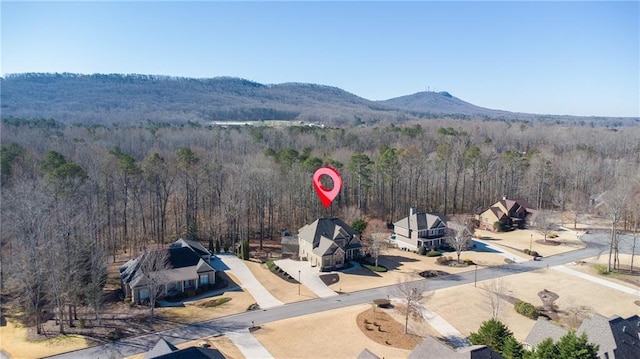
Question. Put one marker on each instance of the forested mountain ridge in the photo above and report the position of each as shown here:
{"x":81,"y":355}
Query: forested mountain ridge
{"x":134,"y":99}
{"x":114,"y":98}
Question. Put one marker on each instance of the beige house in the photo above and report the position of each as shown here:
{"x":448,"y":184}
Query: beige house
{"x":328,"y":243}
{"x":419,"y":229}
{"x":509,"y":213}
{"x":189,"y":270}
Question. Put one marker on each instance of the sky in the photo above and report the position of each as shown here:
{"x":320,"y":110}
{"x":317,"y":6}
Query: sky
{"x":563,"y":58}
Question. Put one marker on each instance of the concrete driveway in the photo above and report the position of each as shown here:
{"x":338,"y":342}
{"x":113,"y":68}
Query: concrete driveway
{"x":309,"y":276}
{"x":248,"y":281}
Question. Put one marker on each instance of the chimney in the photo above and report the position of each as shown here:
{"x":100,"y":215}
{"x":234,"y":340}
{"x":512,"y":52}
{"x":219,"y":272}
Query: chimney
{"x":412,"y":211}
{"x":504,"y":198}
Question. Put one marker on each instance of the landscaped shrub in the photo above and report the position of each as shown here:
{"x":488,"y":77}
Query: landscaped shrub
{"x":433,"y":253}
{"x":526,"y":309}
{"x":467,"y":261}
{"x":216,"y":302}
{"x":526,"y":251}
{"x":374,"y":268}
{"x":422,"y":250}
{"x":443,"y":260}
{"x":601,"y":269}
{"x":534,"y":253}
{"x":552,"y":235}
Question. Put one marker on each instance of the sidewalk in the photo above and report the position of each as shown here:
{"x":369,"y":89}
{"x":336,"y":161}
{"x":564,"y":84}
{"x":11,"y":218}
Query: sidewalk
{"x":444,"y":328}
{"x":247,"y":280}
{"x":248,"y":344}
{"x":597,"y":280}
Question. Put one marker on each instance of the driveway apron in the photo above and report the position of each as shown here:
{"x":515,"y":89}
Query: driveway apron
{"x":309,"y":276}
{"x":249,"y":282}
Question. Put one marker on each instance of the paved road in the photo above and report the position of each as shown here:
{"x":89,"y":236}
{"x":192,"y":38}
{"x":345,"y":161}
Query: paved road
{"x":597,"y":245}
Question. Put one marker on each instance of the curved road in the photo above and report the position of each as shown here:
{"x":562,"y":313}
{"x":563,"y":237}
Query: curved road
{"x":597,"y":244}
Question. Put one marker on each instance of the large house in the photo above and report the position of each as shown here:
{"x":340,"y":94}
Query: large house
{"x":328,"y":243}
{"x":507,"y":213}
{"x":616,"y":337}
{"x":189,"y":269}
{"x":420,"y":229}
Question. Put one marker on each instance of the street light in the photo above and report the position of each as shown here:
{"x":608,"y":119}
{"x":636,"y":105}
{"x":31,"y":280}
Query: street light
{"x":299,"y":282}
{"x":475,"y":277}
{"x":530,"y":241}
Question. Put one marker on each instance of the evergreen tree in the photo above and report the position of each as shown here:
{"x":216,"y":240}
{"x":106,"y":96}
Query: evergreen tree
{"x":492,"y":333}
{"x":512,"y":349}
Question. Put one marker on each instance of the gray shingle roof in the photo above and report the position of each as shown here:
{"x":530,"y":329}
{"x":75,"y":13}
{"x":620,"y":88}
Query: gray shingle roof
{"x":542,"y":330}
{"x":618,"y":337}
{"x":185,"y":264}
{"x":324,"y":233}
{"x":432,"y":348}
{"x":421,"y":221}
{"x":162,"y":347}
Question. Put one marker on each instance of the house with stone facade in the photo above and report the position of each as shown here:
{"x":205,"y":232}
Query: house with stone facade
{"x":328,"y":243}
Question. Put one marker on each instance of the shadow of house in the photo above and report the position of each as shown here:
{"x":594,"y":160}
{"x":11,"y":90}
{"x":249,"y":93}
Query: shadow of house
{"x":420,"y":229}
{"x":289,"y":244}
{"x":509,"y":213}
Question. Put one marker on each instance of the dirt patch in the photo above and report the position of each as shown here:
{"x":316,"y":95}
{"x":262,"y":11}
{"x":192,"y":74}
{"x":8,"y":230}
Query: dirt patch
{"x":432,"y":273}
{"x":383,"y":329}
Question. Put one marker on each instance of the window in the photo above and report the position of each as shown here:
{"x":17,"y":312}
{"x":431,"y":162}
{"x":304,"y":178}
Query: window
{"x":188,"y":283}
{"x":204,"y":279}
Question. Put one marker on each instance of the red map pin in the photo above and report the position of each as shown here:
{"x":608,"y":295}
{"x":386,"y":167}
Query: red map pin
{"x":327,"y":195}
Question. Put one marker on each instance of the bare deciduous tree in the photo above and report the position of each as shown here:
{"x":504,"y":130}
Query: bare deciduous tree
{"x":615,"y":203}
{"x":374,"y":239}
{"x":412,"y":294}
{"x":576,"y":311}
{"x":153,"y":267}
{"x":492,"y":293}
{"x":544,"y":223}
{"x":459,"y":236}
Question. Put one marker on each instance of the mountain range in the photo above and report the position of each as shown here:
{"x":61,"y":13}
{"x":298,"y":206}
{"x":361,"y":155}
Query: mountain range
{"x":134,"y":98}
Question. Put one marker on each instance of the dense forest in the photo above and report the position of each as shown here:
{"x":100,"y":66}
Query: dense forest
{"x":75,"y":195}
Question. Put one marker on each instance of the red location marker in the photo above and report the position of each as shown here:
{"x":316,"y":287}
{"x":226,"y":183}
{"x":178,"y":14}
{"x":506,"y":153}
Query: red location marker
{"x":327,"y":195}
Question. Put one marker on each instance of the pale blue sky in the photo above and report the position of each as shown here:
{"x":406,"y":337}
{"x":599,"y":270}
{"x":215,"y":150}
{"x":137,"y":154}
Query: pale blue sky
{"x":578,"y":58}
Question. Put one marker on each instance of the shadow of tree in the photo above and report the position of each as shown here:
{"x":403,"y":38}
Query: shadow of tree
{"x":392,"y":262}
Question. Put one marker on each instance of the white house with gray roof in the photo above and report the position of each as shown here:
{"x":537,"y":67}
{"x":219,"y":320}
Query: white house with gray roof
{"x":420,"y":229}
{"x":328,"y":243}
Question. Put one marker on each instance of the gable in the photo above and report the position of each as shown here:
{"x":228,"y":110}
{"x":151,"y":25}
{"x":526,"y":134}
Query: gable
{"x":421,"y":221}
